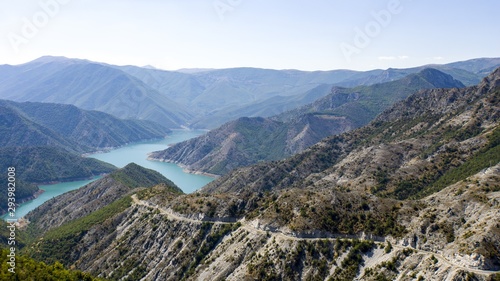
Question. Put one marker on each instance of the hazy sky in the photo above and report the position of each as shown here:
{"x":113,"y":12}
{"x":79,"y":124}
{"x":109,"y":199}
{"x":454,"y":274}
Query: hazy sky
{"x":278,"y":34}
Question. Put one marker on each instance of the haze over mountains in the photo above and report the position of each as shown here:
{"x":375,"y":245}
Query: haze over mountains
{"x":227,"y":94}
{"x":205,"y":99}
{"x":414,"y":194}
{"x":247,"y":141}
{"x":91,"y":86}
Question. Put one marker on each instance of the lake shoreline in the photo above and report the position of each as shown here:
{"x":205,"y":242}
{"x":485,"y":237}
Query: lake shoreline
{"x":32,"y":197}
{"x":189,"y":181}
{"x":26,"y":199}
{"x":45,"y":193}
{"x":70,"y":180}
{"x":136,"y":152}
{"x":110,"y":148}
{"x":184,"y":167}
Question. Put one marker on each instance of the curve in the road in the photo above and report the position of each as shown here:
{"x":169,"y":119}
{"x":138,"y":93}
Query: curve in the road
{"x":248,"y":227}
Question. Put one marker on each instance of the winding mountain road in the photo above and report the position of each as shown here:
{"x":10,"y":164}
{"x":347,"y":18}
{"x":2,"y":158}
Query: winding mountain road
{"x":280,"y":235}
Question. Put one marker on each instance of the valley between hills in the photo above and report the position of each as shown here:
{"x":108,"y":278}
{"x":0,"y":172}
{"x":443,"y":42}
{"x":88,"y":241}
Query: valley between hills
{"x":338,"y":175}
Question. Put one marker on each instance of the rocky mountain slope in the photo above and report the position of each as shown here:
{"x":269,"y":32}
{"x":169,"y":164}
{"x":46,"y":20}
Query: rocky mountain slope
{"x":248,"y":141}
{"x":235,"y":144}
{"x":436,"y":129}
{"x":413,"y":195}
{"x":148,"y":242}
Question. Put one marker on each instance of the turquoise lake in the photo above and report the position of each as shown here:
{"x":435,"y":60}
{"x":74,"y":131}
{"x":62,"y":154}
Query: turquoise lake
{"x":51,"y":191}
{"x":137,"y":153}
{"x":120,"y":157}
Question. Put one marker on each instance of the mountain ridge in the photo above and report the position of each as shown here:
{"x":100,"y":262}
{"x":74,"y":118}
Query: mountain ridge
{"x":91,"y":86}
{"x":110,"y":188}
{"x":335,"y":146}
{"x":241,"y":142}
{"x":88,"y":130}
{"x":205,"y":99}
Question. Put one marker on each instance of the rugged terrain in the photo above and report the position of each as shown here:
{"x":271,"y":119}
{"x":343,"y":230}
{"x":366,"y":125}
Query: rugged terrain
{"x":413,"y":195}
{"x":152,"y":242}
{"x":251,"y":140}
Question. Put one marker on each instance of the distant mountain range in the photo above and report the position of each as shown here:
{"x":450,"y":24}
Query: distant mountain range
{"x":197,"y":99}
{"x":414,"y":194}
{"x":90,"y":86}
{"x":222,"y":95}
{"x":247,"y":141}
